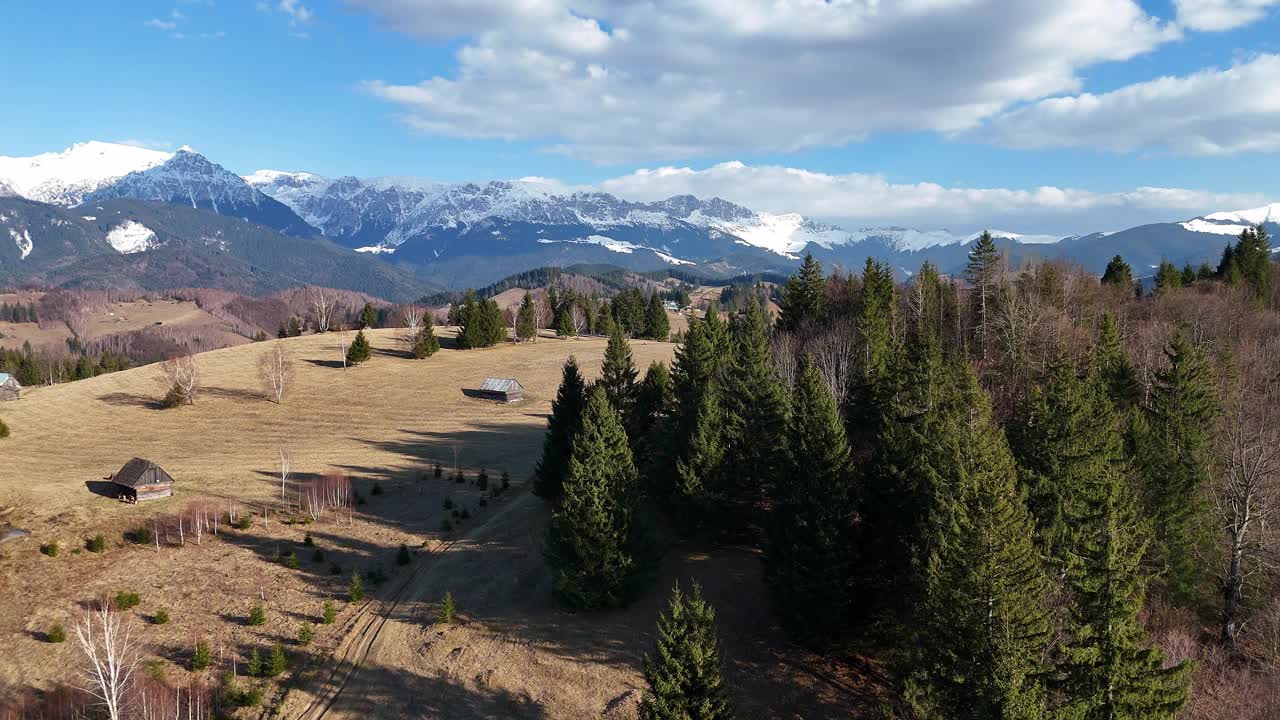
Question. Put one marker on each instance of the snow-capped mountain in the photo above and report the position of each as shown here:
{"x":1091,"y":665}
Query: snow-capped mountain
{"x":64,"y":178}
{"x":1235,"y":222}
{"x":189,"y":178}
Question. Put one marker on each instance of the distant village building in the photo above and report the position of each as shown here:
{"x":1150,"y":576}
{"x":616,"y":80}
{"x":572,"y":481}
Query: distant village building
{"x":672,"y":305}
{"x":142,"y":479}
{"x":9,"y":387}
{"x":501,"y":389}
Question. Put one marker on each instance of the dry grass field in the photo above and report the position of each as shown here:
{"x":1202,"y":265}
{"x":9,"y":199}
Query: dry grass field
{"x":116,"y":318}
{"x":515,"y":654}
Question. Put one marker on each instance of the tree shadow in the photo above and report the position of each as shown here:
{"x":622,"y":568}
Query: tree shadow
{"x":327,"y":363}
{"x":124,"y":399}
{"x":234,"y":393}
{"x":394,"y":352}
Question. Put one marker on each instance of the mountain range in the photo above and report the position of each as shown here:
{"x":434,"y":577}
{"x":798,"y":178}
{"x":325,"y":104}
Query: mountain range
{"x":103,"y":214}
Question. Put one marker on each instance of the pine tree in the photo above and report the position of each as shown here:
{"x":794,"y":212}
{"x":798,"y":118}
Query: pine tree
{"x":1118,"y":274}
{"x":564,"y":322}
{"x":526,"y":320}
{"x":306,"y":633}
{"x":875,"y":349}
{"x":983,"y":271}
{"x":425,"y":343}
{"x":480,"y":323}
{"x":983,"y":626}
{"x":359,"y":350}
{"x":254,"y":667}
{"x":755,"y":416}
{"x":1064,"y":437}
{"x":368,"y":317}
{"x":1108,"y":668}
{"x":277,"y":661}
{"x":594,"y":536}
{"x":356,"y":588}
{"x":1175,"y":458}
{"x":1252,"y":261}
{"x":699,"y":501}
{"x":656,"y":324}
{"x":618,"y":375}
{"x":562,"y":426}
{"x":1188,"y":275}
{"x":1113,"y":366}
{"x":683,"y":672}
{"x":807,"y":556}
{"x":1167,"y":277}
{"x":804,"y":297}
{"x":605,"y":324}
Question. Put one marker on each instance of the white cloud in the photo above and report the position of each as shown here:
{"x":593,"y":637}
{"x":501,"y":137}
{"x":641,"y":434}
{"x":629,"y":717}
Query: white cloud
{"x":857,"y":199}
{"x":166,"y":25}
{"x":297,"y":12}
{"x":614,"y":80}
{"x":1211,"y":112}
{"x":1217,"y":15}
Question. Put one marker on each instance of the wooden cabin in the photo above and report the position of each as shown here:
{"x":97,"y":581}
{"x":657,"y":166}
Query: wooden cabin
{"x":9,"y":387}
{"x":142,"y":479}
{"x":501,"y":389}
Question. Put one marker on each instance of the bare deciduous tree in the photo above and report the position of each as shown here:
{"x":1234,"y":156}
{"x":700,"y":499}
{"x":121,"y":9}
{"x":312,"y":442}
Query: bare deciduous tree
{"x":111,"y":655}
{"x":181,"y":378}
{"x":285,"y":463}
{"x":323,"y":304}
{"x":832,"y":352}
{"x":275,"y":371}
{"x":411,"y":317}
{"x":785,"y":354}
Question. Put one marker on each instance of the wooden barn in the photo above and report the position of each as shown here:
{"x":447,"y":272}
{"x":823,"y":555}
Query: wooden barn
{"x":501,"y":389}
{"x":9,"y":387}
{"x":141,"y":479}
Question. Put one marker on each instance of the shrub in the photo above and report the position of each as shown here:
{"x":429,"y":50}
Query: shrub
{"x":254,"y":667}
{"x":306,"y":540}
{"x":97,"y":544}
{"x":317,"y":556}
{"x":377,"y":488}
{"x":155,"y":669}
{"x":330,"y":614}
{"x":203,"y":656}
{"x":50,"y":548}
{"x":438,"y":471}
{"x":448,"y":503}
{"x":305,"y":634}
{"x":403,"y":557}
{"x":139,"y":536}
{"x":357,"y":587}
{"x":257,"y":616}
{"x":277,"y":662}
{"x":57,"y":634}
{"x":161,"y":617}
{"x":445,"y":614}
{"x":482,"y":480}
{"x":244,"y":523}
{"x":291,"y":560}
{"x":126,"y":600}
{"x":174,"y":398}
{"x":4,"y":430}
{"x":248,"y":697}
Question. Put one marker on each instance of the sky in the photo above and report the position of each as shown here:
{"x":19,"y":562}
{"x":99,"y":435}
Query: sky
{"x":1036,"y":117}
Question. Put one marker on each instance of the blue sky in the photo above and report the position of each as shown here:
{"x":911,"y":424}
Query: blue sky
{"x":945,"y":115}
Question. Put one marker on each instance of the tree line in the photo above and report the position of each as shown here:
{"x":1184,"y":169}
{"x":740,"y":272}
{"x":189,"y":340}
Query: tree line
{"x":997,"y":484}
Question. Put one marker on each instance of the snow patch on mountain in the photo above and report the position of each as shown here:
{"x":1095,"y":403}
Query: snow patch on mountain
{"x":65,"y":178}
{"x":131,"y":237}
{"x":1201,"y":225}
{"x":22,"y":238}
{"x":376,"y":250}
{"x":671,"y":258}
{"x":1256,"y":216}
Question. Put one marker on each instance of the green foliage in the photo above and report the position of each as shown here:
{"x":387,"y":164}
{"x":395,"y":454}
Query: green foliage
{"x":126,"y":600}
{"x":877,"y":348}
{"x":480,"y":323}
{"x":618,"y":374}
{"x":804,"y":298}
{"x":4,"y":430}
{"x":594,"y":537}
{"x":983,"y":271}
{"x":329,"y":614}
{"x":306,"y":633}
{"x":656,"y":324}
{"x":56,"y":634}
{"x":526,"y":320}
{"x":308,"y":541}
{"x":356,"y":589}
{"x":161,"y":617}
{"x":1175,"y":455}
{"x":257,"y":616}
{"x":1248,"y":262}
{"x":699,"y":499}
{"x":203,"y":656}
{"x":291,"y":560}
{"x":564,"y":322}
{"x":425,"y":343}
{"x":175,"y":397}
{"x":1113,"y":366}
{"x":403,"y":556}
{"x":277,"y":661}
{"x":359,"y":351}
{"x":1167,"y":277}
{"x":447,"y":612}
{"x":562,"y":426}
{"x":683,"y":672}
{"x":807,"y":553}
{"x":1118,"y":274}
{"x":254,"y":667}
{"x":368,"y":317}
{"x":244,"y":522}
{"x":155,"y":669}
{"x":51,"y":548}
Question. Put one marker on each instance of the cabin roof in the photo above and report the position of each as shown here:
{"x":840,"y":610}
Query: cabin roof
{"x":6,"y":377}
{"x":501,"y":385}
{"x":133,"y":471}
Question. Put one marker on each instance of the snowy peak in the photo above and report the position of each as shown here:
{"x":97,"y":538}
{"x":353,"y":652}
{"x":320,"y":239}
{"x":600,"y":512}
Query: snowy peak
{"x":1233,"y":222}
{"x":64,"y":178}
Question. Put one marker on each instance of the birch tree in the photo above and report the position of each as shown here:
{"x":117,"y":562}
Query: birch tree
{"x":322,"y":303}
{"x":111,"y":657}
{"x":276,"y":372}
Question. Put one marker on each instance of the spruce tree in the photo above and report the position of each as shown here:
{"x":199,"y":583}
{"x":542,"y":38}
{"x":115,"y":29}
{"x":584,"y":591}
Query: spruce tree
{"x":755,"y":416}
{"x":594,"y":536}
{"x":618,"y":375}
{"x":1118,"y":274}
{"x":526,"y":320}
{"x":983,"y":271}
{"x":1252,"y":261}
{"x":1108,"y":668}
{"x":983,"y":626}
{"x":359,"y":350}
{"x":1167,"y":277}
{"x":683,"y":672}
{"x":1113,"y":365}
{"x":564,"y":322}
{"x":648,"y":431}
{"x":700,"y":501}
{"x":804,"y":297}
{"x":425,"y":343}
{"x":1188,"y":275}
{"x":368,"y":317}
{"x":807,"y":556}
{"x":562,"y":426}
{"x":875,"y":349}
{"x":656,"y":324}
{"x":605,"y":324}
{"x":1175,"y":455}
{"x":694,"y":373}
